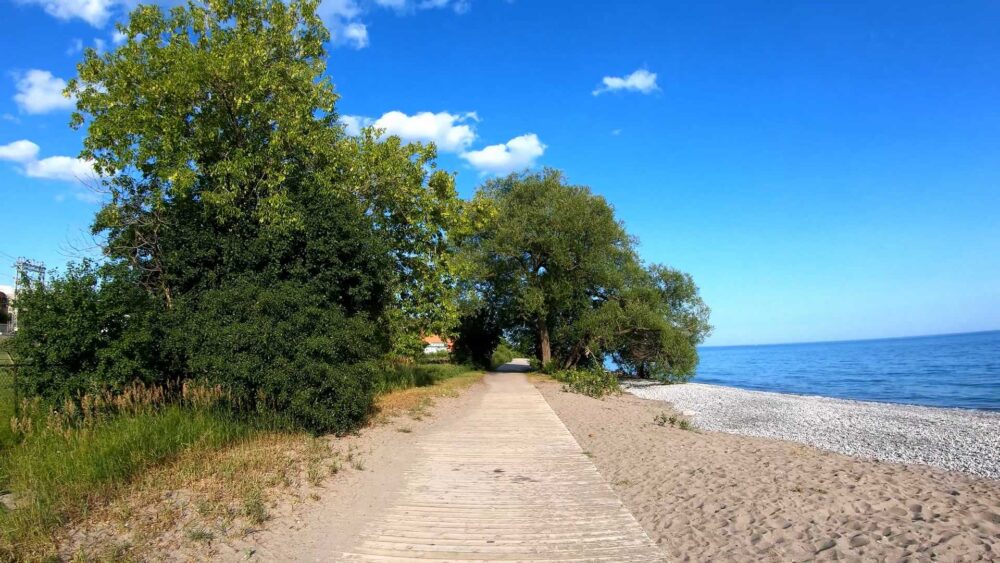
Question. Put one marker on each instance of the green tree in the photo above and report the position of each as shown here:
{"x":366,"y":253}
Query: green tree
{"x":209,"y":113}
{"x":542,"y":249}
{"x":551,"y":260}
{"x":208,"y":121}
{"x":417,"y":208}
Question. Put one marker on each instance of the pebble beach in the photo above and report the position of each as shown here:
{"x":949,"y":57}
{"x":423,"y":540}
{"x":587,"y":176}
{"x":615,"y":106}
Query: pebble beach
{"x":962,"y":440}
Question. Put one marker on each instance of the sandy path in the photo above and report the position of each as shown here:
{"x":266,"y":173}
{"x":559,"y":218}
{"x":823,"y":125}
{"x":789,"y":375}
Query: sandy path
{"x":710,"y":496}
{"x":504,"y":482}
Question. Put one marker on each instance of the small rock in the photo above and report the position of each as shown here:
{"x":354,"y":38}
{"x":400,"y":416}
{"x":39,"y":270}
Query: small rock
{"x":860,"y":540}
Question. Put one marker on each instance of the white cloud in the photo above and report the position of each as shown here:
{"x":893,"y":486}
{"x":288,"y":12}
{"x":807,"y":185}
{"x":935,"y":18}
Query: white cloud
{"x":451,"y":132}
{"x":117,"y":37}
{"x":353,"y":124}
{"x":356,"y":35}
{"x":516,"y":154}
{"x":19,"y":151}
{"x":94,"y":12}
{"x":38,"y":91}
{"x":454,"y":133}
{"x":639,"y":81}
{"x":341,"y":18}
{"x":62,"y":168}
{"x":343,"y":9}
{"x":100,"y":45}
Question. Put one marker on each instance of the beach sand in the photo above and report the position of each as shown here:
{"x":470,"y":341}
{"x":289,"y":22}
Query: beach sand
{"x":711,"y":496}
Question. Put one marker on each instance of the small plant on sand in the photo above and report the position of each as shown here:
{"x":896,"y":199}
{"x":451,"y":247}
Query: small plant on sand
{"x":253,"y":507}
{"x":663,"y":419}
{"x":200,"y":535}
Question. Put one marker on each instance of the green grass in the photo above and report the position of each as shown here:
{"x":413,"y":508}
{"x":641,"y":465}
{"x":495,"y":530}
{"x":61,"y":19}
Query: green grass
{"x":57,"y":473}
{"x":60,"y":471}
{"x":416,"y":375}
{"x":7,"y":400}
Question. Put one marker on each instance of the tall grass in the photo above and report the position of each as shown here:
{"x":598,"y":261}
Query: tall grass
{"x":406,"y":375}
{"x":7,"y":398}
{"x":66,"y":460}
{"x":61,"y":463}
{"x":7,"y":402}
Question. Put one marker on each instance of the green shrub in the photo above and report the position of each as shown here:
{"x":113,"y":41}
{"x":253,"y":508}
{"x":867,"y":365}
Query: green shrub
{"x":594,"y":382}
{"x":442,"y":357}
{"x":88,"y":330}
{"x":478,"y":334}
{"x":502,"y":355}
{"x":282,"y":349}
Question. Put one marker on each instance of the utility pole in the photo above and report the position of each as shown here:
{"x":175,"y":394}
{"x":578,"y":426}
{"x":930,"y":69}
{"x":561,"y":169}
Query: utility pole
{"x":27,"y":272}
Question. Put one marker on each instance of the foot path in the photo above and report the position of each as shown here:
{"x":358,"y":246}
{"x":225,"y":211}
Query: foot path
{"x":506,"y":482}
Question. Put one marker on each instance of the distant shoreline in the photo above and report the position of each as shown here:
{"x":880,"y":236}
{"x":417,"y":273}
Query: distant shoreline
{"x":957,"y":439}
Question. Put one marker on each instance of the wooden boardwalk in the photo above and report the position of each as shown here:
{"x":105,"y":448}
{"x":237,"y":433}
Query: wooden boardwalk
{"x":507,"y":482}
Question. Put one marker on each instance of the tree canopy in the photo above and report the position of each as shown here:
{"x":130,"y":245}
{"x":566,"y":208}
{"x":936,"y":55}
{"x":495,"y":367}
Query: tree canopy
{"x":553,"y":262}
{"x":273,"y":253}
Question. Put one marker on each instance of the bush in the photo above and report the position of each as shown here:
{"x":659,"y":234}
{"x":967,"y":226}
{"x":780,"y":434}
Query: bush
{"x":442,"y":357}
{"x":88,"y":330}
{"x":477,"y":336}
{"x":502,"y":355}
{"x":594,"y":382}
{"x":282,"y":349}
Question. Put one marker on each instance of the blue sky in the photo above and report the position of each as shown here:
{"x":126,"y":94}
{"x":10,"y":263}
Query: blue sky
{"x":824,"y":171}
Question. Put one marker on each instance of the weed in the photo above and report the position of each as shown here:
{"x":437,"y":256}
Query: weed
{"x":200,"y":535}
{"x":253,"y":507}
{"x":663,"y":419}
{"x":404,"y":429}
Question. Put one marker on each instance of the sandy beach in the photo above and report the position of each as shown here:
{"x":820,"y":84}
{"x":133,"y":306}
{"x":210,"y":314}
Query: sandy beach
{"x":705,"y":495}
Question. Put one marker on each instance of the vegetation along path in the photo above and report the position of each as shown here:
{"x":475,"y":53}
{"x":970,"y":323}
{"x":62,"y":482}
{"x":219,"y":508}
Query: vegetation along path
{"x":504,"y":482}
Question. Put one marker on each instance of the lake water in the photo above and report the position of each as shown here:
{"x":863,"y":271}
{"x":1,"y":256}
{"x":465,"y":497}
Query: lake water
{"x":955,"y":370}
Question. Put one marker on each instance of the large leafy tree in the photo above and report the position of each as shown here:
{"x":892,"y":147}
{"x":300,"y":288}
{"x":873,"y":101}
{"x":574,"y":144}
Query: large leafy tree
{"x":416,"y":207}
{"x":278,"y":256}
{"x":550,"y":260}
{"x":214,"y":128}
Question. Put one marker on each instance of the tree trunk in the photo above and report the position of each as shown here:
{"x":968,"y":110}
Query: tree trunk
{"x":544,"y":345}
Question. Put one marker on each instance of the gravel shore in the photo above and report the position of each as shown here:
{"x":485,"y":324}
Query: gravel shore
{"x":954,"y":439}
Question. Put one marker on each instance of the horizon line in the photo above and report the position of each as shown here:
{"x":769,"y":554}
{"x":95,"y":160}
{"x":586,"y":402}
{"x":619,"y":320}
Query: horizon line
{"x":849,"y":339}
